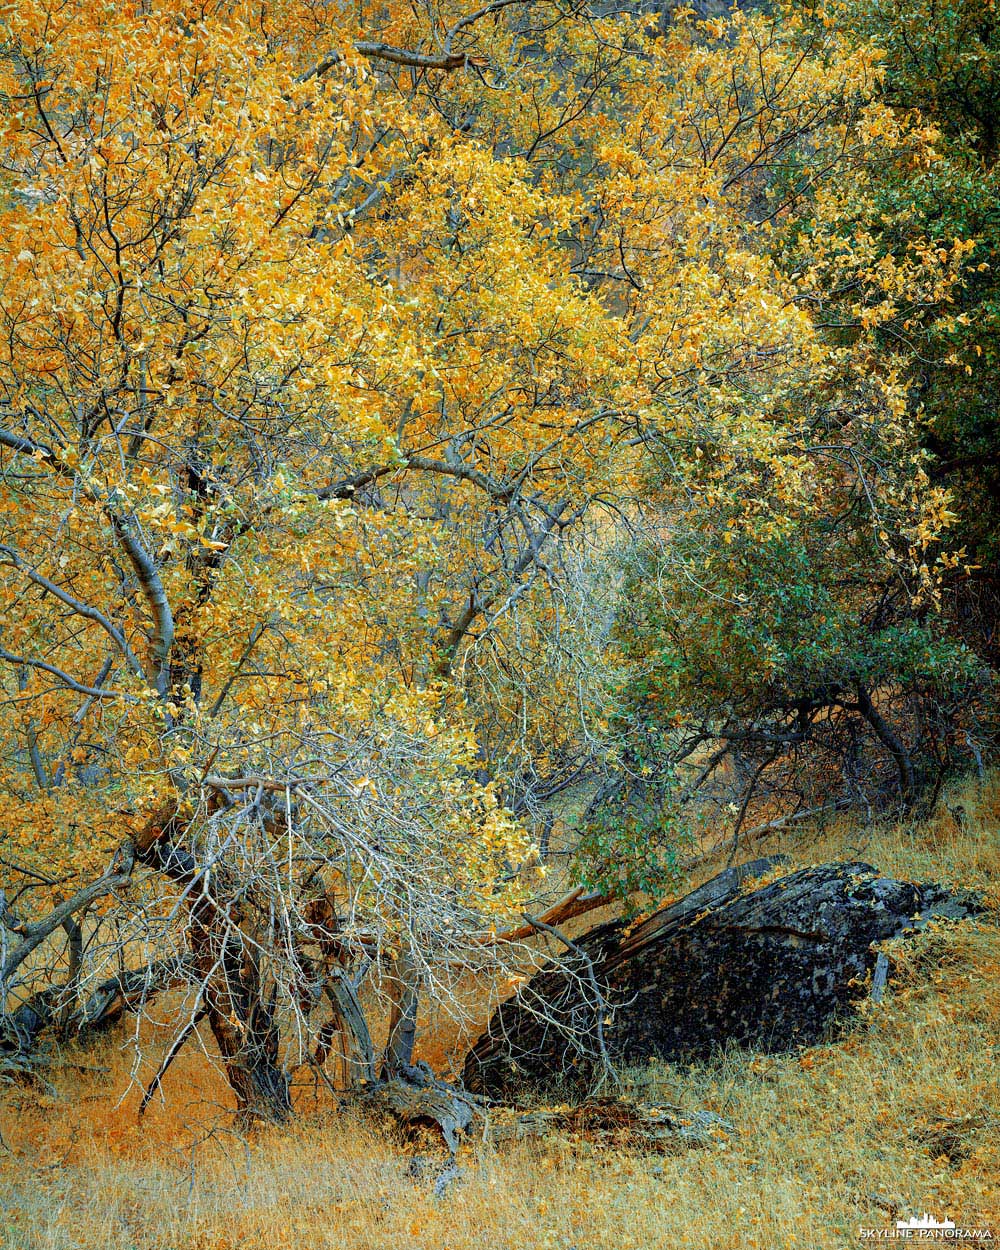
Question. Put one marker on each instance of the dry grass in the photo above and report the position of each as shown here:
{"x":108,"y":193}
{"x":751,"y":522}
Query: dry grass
{"x":902,"y":1117}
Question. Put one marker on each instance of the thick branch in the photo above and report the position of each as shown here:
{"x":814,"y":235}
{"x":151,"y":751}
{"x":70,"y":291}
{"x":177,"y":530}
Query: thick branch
{"x":28,"y":446}
{"x":348,"y":487}
{"x":156,"y":596}
{"x":386,"y":52}
{"x":92,"y":692}
{"x":142,"y":563}
{"x":77,"y":605}
{"x":446,"y":60}
{"x":33,"y":935}
{"x":577,"y":902}
{"x":889,"y":739}
{"x":414,"y":60}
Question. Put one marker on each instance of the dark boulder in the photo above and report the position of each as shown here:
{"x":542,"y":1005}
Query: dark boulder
{"x":772,"y":968}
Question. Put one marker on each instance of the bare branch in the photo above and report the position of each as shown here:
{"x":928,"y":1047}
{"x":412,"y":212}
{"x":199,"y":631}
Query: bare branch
{"x":142,"y":563}
{"x":600,"y":1003}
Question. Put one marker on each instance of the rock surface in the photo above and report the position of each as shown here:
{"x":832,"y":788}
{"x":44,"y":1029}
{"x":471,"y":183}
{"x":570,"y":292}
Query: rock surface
{"x":771,"y":968}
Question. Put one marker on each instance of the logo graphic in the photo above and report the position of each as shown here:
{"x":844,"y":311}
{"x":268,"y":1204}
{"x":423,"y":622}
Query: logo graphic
{"x":925,"y":1228}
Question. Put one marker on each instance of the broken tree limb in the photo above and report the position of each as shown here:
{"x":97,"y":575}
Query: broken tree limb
{"x":619,"y":1122}
{"x":33,"y":935}
{"x":175,"y":1049}
{"x":772,"y":969}
{"x":421,"y":1099}
{"x":576,"y":902}
{"x":22,"y":1028}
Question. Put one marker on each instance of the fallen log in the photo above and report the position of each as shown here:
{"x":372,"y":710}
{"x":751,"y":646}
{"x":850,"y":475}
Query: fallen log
{"x":421,"y":1100}
{"x":22,"y":1028}
{"x":619,"y":1122}
{"x":772,"y":968}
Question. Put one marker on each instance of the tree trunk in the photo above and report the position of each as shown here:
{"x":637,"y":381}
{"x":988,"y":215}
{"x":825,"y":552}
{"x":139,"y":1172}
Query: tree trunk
{"x":770,"y":969}
{"x":398,"y":1057}
{"x":239,"y":1015}
{"x":891,"y":741}
{"x":226,"y":963}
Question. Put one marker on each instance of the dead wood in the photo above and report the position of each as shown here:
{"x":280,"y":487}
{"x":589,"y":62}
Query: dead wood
{"x":22,"y":1030}
{"x":617,"y":1122}
{"x":421,"y":1100}
{"x":771,"y":968}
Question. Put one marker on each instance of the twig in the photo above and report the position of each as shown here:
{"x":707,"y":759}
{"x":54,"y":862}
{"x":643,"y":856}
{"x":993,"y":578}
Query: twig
{"x":170,"y":1056}
{"x":608,"y":1072}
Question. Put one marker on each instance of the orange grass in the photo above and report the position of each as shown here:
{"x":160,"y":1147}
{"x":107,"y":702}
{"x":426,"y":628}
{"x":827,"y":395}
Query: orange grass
{"x":901,"y":1117}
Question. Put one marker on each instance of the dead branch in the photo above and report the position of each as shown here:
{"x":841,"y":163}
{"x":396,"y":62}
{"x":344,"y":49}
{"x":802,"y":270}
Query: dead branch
{"x":618,"y":1122}
{"x":601,"y":1007}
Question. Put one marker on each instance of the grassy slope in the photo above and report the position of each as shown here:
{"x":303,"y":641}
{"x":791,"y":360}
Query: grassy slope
{"x":902,"y":1117}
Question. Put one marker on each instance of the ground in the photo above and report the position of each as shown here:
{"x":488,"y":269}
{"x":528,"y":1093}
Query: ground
{"x":900,"y":1117}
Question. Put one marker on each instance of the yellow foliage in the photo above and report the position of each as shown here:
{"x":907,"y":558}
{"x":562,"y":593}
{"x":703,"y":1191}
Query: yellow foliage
{"x":323,"y":358}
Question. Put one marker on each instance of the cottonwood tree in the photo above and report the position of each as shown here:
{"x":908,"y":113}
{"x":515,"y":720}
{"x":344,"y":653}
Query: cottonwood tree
{"x":337,"y":355}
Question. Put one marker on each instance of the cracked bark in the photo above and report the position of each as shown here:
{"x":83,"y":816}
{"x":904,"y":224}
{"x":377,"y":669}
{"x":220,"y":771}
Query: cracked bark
{"x":773,"y":968}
